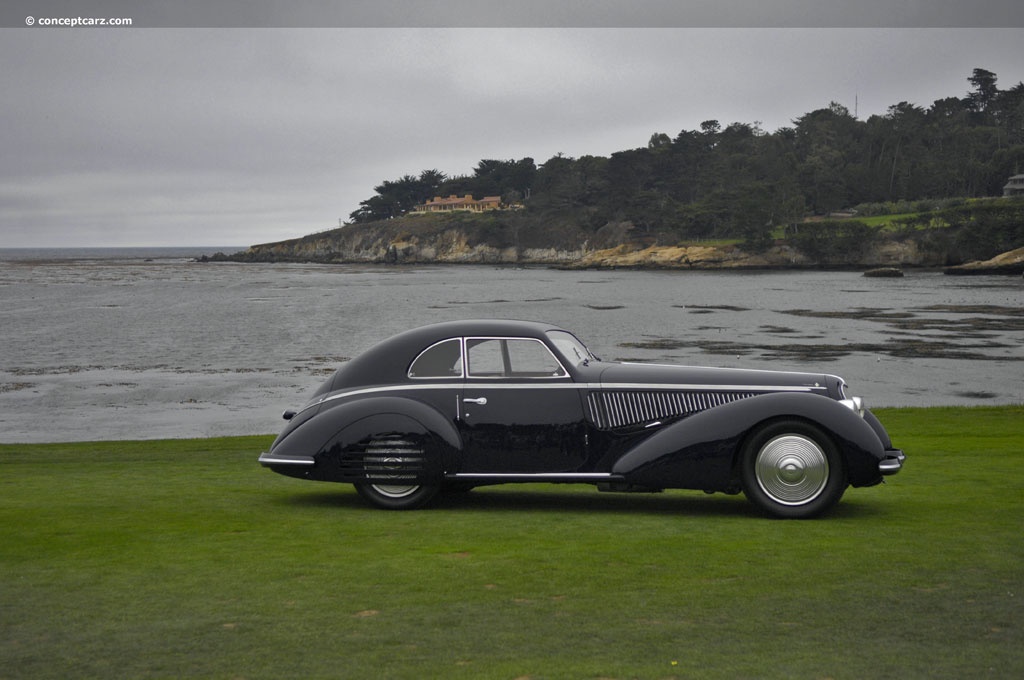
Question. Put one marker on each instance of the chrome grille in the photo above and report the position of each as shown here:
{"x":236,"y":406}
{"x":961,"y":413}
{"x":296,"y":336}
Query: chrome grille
{"x":622,"y":408}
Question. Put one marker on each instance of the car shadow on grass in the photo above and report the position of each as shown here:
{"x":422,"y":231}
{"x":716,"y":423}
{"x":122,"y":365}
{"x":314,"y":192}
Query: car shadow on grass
{"x":508,"y":499}
{"x":504,"y":499}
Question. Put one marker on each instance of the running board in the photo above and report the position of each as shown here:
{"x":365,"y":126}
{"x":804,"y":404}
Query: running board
{"x":599,"y":478}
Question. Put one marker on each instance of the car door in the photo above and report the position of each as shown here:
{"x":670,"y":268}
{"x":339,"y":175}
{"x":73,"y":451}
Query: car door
{"x":521,"y":411}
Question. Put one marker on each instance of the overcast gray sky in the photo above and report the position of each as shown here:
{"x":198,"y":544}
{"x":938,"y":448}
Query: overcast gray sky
{"x":184,"y":130}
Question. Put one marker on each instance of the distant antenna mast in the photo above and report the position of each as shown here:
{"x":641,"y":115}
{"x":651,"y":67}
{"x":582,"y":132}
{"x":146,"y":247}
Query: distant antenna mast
{"x":855,"y":105}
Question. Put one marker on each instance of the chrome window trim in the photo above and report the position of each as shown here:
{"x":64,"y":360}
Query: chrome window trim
{"x":552,"y":338}
{"x":462,"y":358}
{"x":467,"y":372}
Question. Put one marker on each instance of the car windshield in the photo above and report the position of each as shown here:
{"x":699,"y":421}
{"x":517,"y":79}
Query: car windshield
{"x":574,"y":351}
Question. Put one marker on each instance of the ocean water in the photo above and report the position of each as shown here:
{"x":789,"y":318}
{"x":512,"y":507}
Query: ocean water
{"x":133,"y":254}
{"x":150,"y":344}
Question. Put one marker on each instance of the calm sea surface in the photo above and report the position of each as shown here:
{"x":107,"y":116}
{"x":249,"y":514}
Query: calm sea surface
{"x":132,"y":343}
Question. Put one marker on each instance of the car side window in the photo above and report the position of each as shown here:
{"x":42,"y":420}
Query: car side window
{"x":511,"y":358}
{"x":443,"y":360}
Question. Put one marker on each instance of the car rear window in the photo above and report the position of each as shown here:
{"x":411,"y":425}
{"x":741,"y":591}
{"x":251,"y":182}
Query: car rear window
{"x":443,"y":360}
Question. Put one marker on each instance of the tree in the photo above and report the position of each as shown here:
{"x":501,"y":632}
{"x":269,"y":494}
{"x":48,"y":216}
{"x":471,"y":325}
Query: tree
{"x":985,"y":90}
{"x":1009,"y":111}
{"x":501,"y":178}
{"x":826,"y":142}
{"x":659,"y":140}
{"x":738,"y":180}
{"x":397,"y":197}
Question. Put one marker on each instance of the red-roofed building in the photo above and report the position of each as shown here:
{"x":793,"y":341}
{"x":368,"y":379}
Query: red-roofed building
{"x":467,"y":202}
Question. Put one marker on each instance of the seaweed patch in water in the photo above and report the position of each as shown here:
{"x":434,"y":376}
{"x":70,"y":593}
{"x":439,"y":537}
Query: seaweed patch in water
{"x":1002,"y":319}
{"x":708,"y":309}
{"x":857,"y":313}
{"x":966,"y":326}
{"x":632,"y":360}
{"x":807,"y":352}
{"x":660,"y":344}
{"x":976,"y":309}
{"x":904,"y":348}
{"x":603,"y":308}
{"x":969,"y":394}
{"x":725,"y":347}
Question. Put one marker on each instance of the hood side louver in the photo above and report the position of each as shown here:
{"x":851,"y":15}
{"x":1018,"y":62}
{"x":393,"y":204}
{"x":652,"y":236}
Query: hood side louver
{"x":626,"y":408}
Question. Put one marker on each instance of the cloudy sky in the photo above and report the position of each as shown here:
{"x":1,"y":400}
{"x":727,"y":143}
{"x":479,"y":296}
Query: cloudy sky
{"x":220,"y":129}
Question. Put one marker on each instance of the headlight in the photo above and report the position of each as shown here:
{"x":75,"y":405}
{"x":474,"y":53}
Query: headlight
{"x":855,"y":404}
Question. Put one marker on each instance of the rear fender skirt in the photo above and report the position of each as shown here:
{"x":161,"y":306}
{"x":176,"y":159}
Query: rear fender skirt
{"x":325,"y":435}
{"x":701,"y":451}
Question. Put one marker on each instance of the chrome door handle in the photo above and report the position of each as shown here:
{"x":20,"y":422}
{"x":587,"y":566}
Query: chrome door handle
{"x":481,"y":401}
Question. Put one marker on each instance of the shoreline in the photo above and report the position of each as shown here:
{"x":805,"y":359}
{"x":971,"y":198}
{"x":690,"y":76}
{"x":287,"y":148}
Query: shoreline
{"x":652,"y":258}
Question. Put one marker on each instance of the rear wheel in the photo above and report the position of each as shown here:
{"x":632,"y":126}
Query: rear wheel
{"x":397,"y":496}
{"x":792,"y":469}
{"x":394,"y":461}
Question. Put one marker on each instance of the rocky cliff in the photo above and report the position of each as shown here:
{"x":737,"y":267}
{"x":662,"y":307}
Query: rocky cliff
{"x":1005,"y":263}
{"x":443,"y":239}
{"x":503,"y":238}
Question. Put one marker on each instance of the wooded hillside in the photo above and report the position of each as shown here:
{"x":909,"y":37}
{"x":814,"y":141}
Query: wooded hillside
{"x":738,"y":181}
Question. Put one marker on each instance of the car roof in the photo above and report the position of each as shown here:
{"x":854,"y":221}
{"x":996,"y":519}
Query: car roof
{"x":477,"y":327}
{"x":387,"y":361}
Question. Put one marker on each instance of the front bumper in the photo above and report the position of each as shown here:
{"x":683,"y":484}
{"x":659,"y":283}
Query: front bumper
{"x":892,"y":463}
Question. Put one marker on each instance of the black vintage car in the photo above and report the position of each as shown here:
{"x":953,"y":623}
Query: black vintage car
{"x":468,"y":403}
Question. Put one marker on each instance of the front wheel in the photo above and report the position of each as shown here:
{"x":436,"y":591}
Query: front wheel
{"x":792,"y":469}
{"x":397,"y":496}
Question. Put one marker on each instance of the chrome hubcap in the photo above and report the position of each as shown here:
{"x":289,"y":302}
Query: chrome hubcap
{"x":791,"y":469}
{"x":395,"y":490}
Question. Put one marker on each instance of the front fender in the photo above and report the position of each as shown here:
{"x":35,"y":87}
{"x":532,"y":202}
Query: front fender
{"x":701,"y":451}
{"x":319,"y":445}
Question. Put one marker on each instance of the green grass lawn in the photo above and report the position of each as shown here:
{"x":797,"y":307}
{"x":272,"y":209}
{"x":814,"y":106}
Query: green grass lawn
{"x":887,"y":222}
{"x":185,"y":558}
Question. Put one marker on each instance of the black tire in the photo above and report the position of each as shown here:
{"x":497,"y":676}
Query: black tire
{"x":792,"y":469}
{"x":397,"y":496}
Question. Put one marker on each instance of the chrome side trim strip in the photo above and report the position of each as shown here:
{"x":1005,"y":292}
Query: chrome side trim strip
{"x":271,"y":459}
{"x":562,"y":384}
{"x":384,"y":388}
{"x":708,"y":388}
{"x":533,"y":475}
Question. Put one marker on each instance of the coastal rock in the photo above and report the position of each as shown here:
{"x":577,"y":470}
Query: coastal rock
{"x":905,"y":252}
{"x":1011,"y":263}
{"x":691,"y":257}
{"x":884,"y":273}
